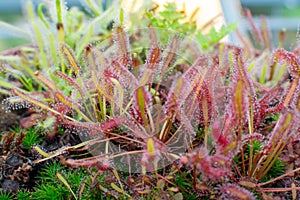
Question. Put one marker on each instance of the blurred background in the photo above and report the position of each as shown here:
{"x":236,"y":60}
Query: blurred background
{"x":280,"y":14}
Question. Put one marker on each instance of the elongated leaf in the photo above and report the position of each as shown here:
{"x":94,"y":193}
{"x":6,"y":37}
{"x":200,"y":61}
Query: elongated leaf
{"x":115,"y":187}
{"x":152,"y":64}
{"x":45,"y":81}
{"x":71,"y":82}
{"x":121,"y":93}
{"x":123,"y":46}
{"x":34,"y":101}
{"x":150,"y":147}
{"x":238,"y":99}
{"x":143,"y":101}
{"x":13,"y":30}
{"x":71,"y":59}
{"x":41,"y":15}
{"x":284,"y":57}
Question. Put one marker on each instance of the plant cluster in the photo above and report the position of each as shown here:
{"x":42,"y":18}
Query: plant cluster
{"x":159,"y":118}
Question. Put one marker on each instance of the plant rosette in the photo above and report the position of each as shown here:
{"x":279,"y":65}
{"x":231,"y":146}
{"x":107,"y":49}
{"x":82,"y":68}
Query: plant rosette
{"x":141,"y":114}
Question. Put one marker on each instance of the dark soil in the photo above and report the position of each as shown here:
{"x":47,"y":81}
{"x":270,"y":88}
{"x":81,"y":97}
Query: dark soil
{"x":17,"y":168}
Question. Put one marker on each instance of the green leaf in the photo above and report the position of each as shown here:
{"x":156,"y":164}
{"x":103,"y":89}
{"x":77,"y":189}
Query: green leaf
{"x":213,"y":37}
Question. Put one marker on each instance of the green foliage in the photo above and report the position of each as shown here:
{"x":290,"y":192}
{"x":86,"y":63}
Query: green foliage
{"x":32,"y":137}
{"x":185,"y":185}
{"x":23,"y":195}
{"x":276,"y":170}
{"x":6,"y":196}
{"x":171,"y":18}
{"x":256,"y":146}
{"x":50,"y":191}
{"x":47,"y":174}
{"x":50,"y":186}
{"x":48,"y":31}
{"x":207,"y":41}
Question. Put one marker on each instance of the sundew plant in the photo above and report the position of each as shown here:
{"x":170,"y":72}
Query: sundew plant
{"x":157,"y":105}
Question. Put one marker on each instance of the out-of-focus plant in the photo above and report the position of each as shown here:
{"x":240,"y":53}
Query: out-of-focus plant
{"x":172,"y":19}
{"x":58,"y":182}
{"x":48,"y":29}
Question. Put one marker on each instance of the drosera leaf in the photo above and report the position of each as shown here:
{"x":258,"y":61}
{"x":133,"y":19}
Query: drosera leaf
{"x":142,"y":99}
{"x":41,"y":15}
{"x":6,"y":84}
{"x":251,"y":66}
{"x":31,"y":120}
{"x":150,"y":147}
{"x":248,"y":184}
{"x":62,"y":150}
{"x":126,"y":78}
{"x":9,"y":58}
{"x":116,"y":174}
{"x":60,"y":31}
{"x":265,"y":33}
{"x":257,"y":32}
{"x":122,"y":42}
{"x":282,"y":35}
{"x":280,"y":73}
{"x":173,"y":189}
{"x":58,"y":5}
{"x":70,"y":103}
{"x":278,"y":140}
{"x":170,"y":54}
{"x":285,"y":57}
{"x":5,"y":92}
{"x":102,"y":61}
{"x":231,"y":191}
{"x":152,"y":63}
{"x":70,"y":81}
{"x":53,"y":49}
{"x":121,"y":16}
{"x":262,"y":78}
{"x":71,"y":59}
{"x":292,"y":93}
{"x":118,"y":189}
{"x":45,"y":81}
{"x":121,"y":93}
{"x":40,"y":151}
{"x":238,"y":100}
{"x":173,"y":96}
{"x":59,"y":23}
{"x":294,"y":191}
{"x":38,"y":34}
{"x":34,"y":101}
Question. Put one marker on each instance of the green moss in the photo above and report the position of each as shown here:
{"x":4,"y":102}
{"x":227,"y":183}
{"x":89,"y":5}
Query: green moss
{"x":49,"y":186}
{"x":32,"y":138}
{"x":6,"y":196}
